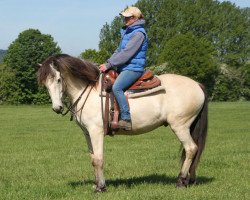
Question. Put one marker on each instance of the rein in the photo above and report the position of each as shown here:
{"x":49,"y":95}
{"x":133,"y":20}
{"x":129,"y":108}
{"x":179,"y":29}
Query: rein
{"x":71,"y":108}
{"x":104,"y":116}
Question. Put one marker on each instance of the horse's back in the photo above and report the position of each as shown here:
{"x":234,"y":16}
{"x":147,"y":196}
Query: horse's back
{"x":177,"y":80}
{"x":182,"y":88}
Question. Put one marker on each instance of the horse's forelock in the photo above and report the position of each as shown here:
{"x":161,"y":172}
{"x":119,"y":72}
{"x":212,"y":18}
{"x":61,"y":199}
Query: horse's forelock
{"x":45,"y":70}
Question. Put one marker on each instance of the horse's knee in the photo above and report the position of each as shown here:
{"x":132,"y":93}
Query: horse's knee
{"x":97,"y":162}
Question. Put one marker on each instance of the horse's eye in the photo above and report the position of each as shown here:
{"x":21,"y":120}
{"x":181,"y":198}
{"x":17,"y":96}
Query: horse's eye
{"x":59,"y":80}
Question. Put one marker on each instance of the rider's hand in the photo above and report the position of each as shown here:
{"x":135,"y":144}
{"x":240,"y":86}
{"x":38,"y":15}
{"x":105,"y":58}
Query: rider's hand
{"x":102,"y":68}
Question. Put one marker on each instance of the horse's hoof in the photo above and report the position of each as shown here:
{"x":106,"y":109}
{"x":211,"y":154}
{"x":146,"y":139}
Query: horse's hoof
{"x":192,"y":182}
{"x":181,"y":182}
{"x":100,"y":189}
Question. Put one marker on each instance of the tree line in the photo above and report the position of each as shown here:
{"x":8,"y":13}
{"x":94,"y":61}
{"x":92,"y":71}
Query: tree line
{"x":203,"y":39}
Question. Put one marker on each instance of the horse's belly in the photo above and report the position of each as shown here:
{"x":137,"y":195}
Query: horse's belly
{"x":147,"y":113}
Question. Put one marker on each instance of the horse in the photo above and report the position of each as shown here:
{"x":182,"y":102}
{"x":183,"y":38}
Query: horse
{"x":182,"y":105}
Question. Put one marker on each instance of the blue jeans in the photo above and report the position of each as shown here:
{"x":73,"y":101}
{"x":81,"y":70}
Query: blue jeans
{"x":122,"y":83}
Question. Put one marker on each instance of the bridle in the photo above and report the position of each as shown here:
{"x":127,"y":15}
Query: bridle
{"x":72,"y":106}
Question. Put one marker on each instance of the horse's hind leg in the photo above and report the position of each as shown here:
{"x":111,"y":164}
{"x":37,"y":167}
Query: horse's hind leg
{"x":190,"y":150}
{"x":192,"y":172}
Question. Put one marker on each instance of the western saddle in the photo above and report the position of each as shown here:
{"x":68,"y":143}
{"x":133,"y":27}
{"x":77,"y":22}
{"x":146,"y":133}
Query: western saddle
{"x":111,"y":111}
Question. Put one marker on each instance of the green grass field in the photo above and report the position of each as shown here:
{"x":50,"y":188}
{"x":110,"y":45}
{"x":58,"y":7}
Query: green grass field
{"x":45,"y":156}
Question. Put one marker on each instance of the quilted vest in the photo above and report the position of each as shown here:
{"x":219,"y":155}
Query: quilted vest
{"x":137,"y":62}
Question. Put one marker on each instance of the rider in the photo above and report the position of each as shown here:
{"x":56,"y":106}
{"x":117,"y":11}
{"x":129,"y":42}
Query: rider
{"x":128,"y":60}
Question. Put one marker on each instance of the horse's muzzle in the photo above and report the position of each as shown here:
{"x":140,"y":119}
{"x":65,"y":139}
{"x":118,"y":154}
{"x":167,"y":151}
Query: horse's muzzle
{"x":58,"y":109}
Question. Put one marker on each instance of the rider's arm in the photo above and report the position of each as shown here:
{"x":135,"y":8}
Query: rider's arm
{"x":121,"y":57}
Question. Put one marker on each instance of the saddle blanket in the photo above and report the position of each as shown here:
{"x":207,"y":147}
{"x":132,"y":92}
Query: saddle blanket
{"x":138,"y":93}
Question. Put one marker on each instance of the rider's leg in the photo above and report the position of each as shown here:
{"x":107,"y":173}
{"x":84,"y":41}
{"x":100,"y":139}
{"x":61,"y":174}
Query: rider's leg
{"x":122,"y":83}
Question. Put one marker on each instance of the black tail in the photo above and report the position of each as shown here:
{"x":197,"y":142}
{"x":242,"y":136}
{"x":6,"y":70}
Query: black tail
{"x":198,"y":131}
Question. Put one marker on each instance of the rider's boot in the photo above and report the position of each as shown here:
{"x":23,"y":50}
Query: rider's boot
{"x":125,"y":125}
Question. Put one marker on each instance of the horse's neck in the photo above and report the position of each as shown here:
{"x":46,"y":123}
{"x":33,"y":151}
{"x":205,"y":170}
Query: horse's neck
{"x":74,"y":87}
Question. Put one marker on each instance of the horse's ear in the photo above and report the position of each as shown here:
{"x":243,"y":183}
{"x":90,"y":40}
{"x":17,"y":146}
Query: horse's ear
{"x":38,"y":65}
{"x":54,"y":65}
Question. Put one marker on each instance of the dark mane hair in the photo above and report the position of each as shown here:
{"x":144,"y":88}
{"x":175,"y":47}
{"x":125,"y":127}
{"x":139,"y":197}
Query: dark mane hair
{"x":78,"y":68}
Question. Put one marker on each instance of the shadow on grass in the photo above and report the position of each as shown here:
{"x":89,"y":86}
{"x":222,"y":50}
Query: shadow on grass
{"x":150,"y":179}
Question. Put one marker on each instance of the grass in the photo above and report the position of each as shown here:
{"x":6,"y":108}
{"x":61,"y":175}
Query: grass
{"x":45,"y":156}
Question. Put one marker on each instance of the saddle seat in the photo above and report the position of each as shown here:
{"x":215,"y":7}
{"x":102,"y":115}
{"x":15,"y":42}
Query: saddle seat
{"x":146,"y":81}
{"x":111,"y":111}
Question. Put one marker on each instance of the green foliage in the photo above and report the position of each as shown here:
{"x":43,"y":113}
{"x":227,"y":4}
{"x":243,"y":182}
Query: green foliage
{"x":226,"y":89}
{"x":245,"y":81}
{"x":222,"y":24}
{"x":190,"y":56}
{"x":232,"y":30}
{"x":9,"y":91}
{"x":232,"y":84}
{"x":94,"y":56}
{"x":2,"y":54}
{"x":31,"y":47}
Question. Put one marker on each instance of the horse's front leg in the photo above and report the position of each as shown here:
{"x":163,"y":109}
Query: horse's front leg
{"x":97,"y":162}
{"x":97,"y":159}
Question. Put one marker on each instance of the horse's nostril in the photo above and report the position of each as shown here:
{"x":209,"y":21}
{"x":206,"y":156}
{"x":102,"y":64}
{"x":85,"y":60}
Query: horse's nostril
{"x":58,"y":110}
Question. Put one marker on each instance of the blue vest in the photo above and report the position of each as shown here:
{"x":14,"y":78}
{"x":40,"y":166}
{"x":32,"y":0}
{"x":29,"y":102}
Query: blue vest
{"x":137,"y":62}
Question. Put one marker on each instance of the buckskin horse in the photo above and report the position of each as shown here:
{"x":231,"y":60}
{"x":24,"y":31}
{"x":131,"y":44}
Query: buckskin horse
{"x":182,"y":105}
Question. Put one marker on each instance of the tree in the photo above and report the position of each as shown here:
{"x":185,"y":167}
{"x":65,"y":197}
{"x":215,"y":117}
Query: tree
{"x":190,"y":56}
{"x":110,"y":37}
{"x":232,"y":84}
{"x":8,"y":87}
{"x":31,"y":47}
{"x":94,"y":56}
{"x":223,"y":24}
{"x":2,"y":54}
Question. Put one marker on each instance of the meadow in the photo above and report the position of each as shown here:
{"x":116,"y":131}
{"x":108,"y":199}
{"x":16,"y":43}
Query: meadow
{"x":45,"y":156}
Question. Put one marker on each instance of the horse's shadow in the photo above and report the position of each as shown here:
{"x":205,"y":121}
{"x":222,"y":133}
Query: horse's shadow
{"x":150,"y":179}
